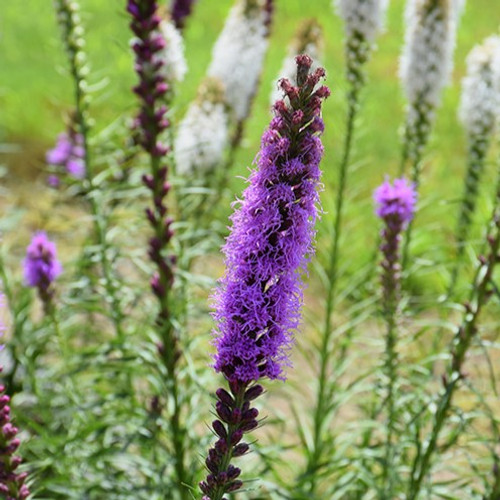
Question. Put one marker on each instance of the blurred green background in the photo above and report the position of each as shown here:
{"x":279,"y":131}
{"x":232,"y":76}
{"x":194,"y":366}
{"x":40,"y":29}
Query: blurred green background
{"x":36,"y":95}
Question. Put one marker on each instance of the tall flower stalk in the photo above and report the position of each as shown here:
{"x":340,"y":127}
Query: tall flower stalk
{"x":479,"y":107}
{"x":465,"y":334}
{"x":73,"y":38}
{"x":257,"y":303}
{"x":396,"y":207}
{"x":151,"y":124}
{"x":425,"y":68}
{"x":363,"y":21}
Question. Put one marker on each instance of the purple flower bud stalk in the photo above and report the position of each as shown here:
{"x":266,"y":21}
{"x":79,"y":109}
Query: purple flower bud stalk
{"x":41,"y":268}
{"x":257,"y":303}
{"x":73,"y":38}
{"x":180,"y":10}
{"x":12,"y":483}
{"x":481,"y":291}
{"x":396,"y":207}
{"x":150,"y":125}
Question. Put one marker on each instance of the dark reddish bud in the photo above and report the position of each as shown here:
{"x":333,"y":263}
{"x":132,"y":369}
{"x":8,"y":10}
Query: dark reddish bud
{"x":249,"y":425}
{"x":225,"y":397}
{"x":240,"y":449}
{"x":254,"y":392}
{"x":219,"y":429}
{"x":233,"y":472}
{"x":236,"y":437}
{"x":235,"y":485}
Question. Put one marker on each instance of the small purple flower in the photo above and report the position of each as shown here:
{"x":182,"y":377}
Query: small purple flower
{"x":396,"y":202}
{"x":68,"y":154}
{"x":396,"y":207}
{"x":41,"y":267}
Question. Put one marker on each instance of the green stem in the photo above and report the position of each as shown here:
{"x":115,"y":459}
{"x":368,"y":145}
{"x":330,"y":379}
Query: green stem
{"x":325,"y":352}
{"x":461,"y":344}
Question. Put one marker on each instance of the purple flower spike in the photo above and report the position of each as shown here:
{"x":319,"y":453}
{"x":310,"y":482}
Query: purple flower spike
{"x":257,"y":304}
{"x":258,"y":301}
{"x":396,"y":207}
{"x":396,"y":202}
{"x":180,"y":10}
{"x":68,"y":155}
{"x":41,"y":266}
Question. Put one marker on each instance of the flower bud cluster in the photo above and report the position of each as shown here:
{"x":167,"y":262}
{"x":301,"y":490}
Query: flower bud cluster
{"x":73,"y":37}
{"x":12,"y":483}
{"x":236,"y":417}
{"x":308,"y":40}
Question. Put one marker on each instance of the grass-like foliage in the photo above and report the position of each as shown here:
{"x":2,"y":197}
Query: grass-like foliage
{"x":207,"y":296}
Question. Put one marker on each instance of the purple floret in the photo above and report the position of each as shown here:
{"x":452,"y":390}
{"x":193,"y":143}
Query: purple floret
{"x":396,"y":202}
{"x":257,"y":304}
{"x":41,"y":266}
{"x":68,"y":154}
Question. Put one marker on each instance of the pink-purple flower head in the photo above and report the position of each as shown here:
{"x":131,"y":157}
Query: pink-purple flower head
{"x":69,"y":154}
{"x":257,"y":304}
{"x":41,"y":266}
{"x":395,"y":203}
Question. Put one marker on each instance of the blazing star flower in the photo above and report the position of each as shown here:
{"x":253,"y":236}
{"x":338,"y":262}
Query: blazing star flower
{"x":238,"y":54}
{"x":257,"y":304}
{"x":41,"y":266}
{"x":395,"y":205}
{"x":68,"y":154}
{"x":396,"y":202}
{"x":427,"y":61}
{"x":480,"y":103}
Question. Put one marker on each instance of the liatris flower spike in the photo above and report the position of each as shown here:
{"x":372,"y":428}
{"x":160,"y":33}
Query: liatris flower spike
{"x":395,"y":205}
{"x":41,"y":267}
{"x":479,"y":107}
{"x":12,"y":485}
{"x":257,"y":303}
{"x":68,"y":155}
{"x":425,"y":68}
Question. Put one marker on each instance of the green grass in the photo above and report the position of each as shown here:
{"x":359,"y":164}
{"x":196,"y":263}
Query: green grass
{"x":36,"y":94}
